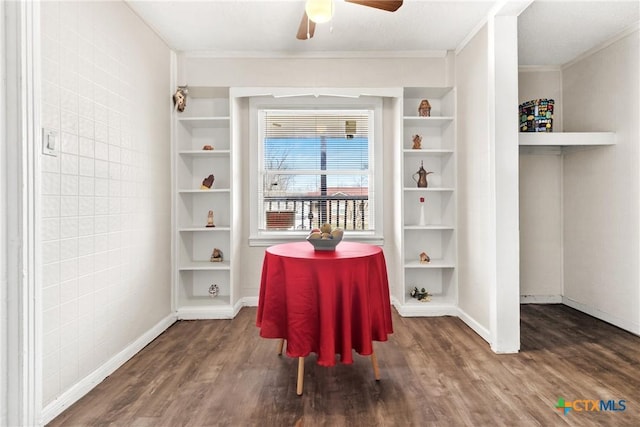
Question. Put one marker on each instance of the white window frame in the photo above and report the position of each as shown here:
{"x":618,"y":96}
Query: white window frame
{"x":259,"y":237}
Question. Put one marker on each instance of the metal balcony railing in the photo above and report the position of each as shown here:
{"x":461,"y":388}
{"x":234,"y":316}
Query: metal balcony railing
{"x":307,"y":212}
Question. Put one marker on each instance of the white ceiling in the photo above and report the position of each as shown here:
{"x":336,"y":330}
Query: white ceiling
{"x":551,"y":32}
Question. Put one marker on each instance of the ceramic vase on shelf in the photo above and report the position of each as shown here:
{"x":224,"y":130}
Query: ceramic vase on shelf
{"x":422,"y":220}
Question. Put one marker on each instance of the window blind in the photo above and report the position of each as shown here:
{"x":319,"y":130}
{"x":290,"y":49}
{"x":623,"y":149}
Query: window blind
{"x":317,"y":163}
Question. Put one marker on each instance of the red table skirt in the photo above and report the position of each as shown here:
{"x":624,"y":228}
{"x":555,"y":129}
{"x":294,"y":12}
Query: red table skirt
{"x":326,"y":303}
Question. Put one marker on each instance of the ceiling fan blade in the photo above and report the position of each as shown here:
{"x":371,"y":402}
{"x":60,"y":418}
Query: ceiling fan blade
{"x":305,"y":24}
{"x":388,"y":5}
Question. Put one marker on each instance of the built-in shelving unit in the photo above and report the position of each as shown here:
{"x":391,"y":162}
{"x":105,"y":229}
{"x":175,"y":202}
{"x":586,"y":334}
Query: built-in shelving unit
{"x":205,"y":121}
{"x":436,"y":236}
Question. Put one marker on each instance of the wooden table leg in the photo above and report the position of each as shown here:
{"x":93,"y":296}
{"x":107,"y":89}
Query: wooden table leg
{"x":300,"y":375}
{"x":374,"y":362}
{"x":280,"y":346}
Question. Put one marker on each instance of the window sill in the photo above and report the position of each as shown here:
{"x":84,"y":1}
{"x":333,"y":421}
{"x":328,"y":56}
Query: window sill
{"x":281,"y":238}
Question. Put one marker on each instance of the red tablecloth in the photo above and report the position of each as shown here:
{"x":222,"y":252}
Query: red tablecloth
{"x":323,"y":302}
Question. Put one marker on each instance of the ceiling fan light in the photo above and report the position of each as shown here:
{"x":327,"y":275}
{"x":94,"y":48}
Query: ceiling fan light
{"x":319,"y":11}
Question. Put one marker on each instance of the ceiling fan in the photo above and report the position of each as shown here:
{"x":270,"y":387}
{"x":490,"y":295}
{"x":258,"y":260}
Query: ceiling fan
{"x":319,"y":11}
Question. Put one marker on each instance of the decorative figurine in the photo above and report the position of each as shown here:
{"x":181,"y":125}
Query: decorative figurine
{"x":214,"y":290}
{"x":424,"y":110}
{"x":207,"y":147}
{"x":207,"y":182}
{"x":417,"y":142}
{"x":420,"y":295}
{"x":422,"y":177}
{"x":216,"y":256}
{"x":210,"y":220}
{"x":424,"y":258}
{"x":180,"y":98}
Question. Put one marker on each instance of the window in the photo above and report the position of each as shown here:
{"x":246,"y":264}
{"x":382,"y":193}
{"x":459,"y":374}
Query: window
{"x":315,"y":164}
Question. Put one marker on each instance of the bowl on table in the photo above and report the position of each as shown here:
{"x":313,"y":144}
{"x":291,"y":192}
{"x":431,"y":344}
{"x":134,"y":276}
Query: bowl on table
{"x":324,"y":244}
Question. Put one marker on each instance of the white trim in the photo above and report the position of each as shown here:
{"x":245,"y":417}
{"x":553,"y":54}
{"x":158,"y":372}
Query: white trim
{"x":338,"y":98}
{"x":540,"y":299}
{"x":276,"y":240}
{"x":426,"y":309}
{"x":622,"y":34}
{"x":83,"y":387}
{"x":206,"y":313}
{"x":4,"y":267}
{"x":318,"y":54}
{"x":484,"y":333}
{"x":633,"y":327}
{"x":22,"y":135}
{"x":538,"y":68}
{"x":173,"y":128}
{"x":250,"y":301}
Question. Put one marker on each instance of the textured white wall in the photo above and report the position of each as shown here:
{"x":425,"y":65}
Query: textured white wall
{"x":601,"y":185}
{"x":105,"y":202}
{"x":541,"y":197}
{"x":475,"y":247}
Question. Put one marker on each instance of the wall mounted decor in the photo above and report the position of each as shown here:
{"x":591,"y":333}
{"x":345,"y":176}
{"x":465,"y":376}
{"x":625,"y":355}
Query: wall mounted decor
{"x":180,"y":98}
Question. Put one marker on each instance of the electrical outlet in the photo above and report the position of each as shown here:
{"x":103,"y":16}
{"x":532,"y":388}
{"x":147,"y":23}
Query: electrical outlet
{"x":50,"y":141}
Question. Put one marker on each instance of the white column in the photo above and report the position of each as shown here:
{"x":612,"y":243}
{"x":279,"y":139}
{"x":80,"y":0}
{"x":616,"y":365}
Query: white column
{"x":503,"y":136}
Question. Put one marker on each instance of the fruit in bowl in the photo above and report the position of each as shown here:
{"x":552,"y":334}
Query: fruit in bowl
{"x":325,"y":238}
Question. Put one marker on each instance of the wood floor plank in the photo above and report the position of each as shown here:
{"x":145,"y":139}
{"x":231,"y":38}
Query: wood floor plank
{"x":434,"y":372}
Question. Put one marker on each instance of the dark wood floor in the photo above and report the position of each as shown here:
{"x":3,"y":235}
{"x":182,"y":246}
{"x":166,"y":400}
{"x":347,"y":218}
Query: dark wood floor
{"x":434,"y":371}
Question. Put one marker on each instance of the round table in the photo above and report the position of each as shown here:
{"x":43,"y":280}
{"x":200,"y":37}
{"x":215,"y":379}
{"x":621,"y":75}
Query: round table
{"x":325,"y":302}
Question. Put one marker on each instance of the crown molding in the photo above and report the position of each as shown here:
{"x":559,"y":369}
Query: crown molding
{"x":316,"y":54}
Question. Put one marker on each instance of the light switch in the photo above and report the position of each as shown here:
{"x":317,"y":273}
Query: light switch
{"x":49,"y":142}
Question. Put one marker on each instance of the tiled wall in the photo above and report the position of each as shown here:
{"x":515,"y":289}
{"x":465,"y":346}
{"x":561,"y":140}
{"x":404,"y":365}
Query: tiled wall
{"x":105,"y":199}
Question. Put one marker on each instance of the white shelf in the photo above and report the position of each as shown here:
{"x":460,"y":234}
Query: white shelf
{"x":414,"y":308}
{"x":428,"y":121}
{"x":428,"y":227}
{"x":428,"y":151}
{"x":205,"y":121}
{"x":210,"y":191}
{"x":203,"y":228}
{"x":566,"y":139}
{"x":206,"y":301}
{"x":205,"y":153}
{"x":435,"y":263}
{"x":419,"y":189}
{"x":204,"y":265}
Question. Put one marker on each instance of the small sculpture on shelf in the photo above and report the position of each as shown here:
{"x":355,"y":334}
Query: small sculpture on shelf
{"x":422,"y":177}
{"x":207,"y":183}
{"x":417,"y":142}
{"x":214,"y":290}
{"x":207,"y":147}
{"x":180,"y":98}
{"x":424,"y":110}
{"x":210,"y":220}
{"x":424,"y":258}
{"x":420,"y":295}
{"x":216,"y":255}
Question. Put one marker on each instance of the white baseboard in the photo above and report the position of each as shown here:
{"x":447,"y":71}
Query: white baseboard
{"x":473,"y":324}
{"x":206,"y":313}
{"x":250,"y":301}
{"x":86,"y":384}
{"x":540,"y":299}
{"x":632,"y":327}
